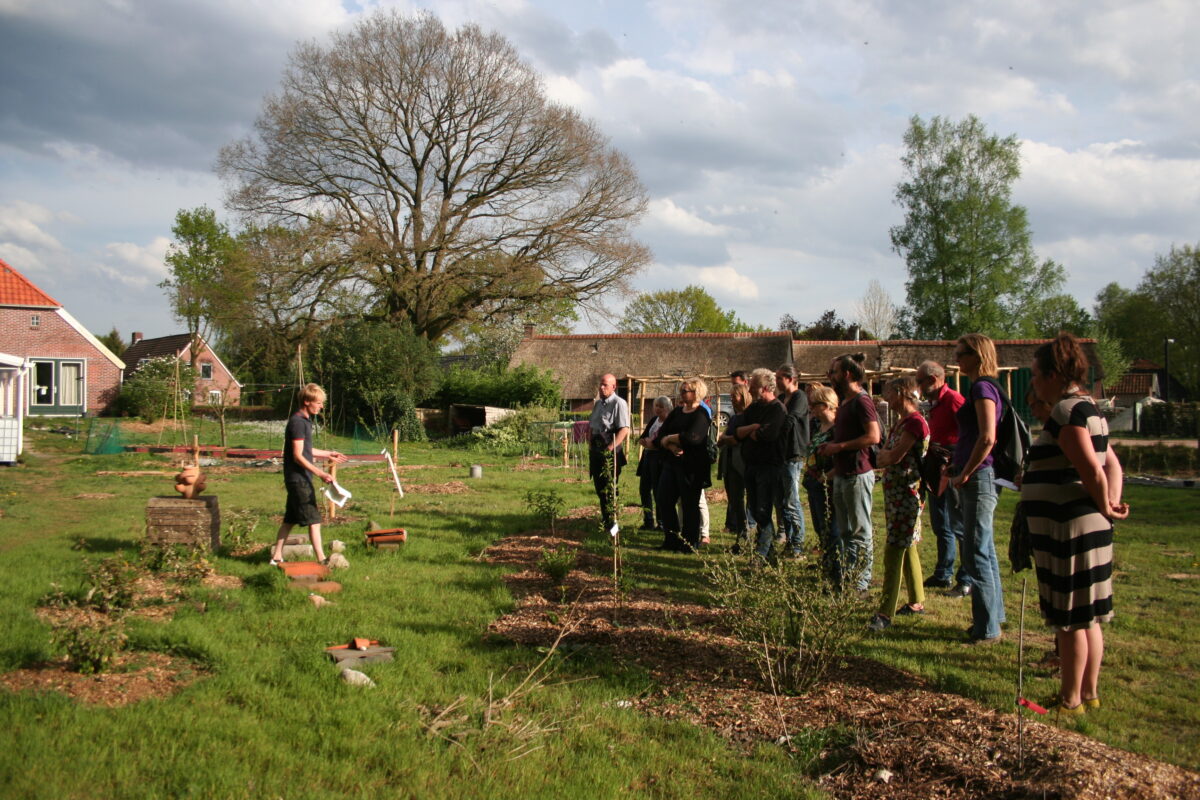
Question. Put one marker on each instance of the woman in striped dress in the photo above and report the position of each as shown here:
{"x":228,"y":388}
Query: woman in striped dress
{"x":1072,"y":493}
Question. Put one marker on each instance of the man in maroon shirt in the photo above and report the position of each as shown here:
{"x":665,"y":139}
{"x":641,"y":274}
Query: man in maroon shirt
{"x":855,"y":430}
{"x":944,"y":403}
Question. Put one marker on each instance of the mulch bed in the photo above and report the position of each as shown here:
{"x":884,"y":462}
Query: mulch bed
{"x":889,"y":734}
{"x":450,"y":487}
{"x":133,"y":676}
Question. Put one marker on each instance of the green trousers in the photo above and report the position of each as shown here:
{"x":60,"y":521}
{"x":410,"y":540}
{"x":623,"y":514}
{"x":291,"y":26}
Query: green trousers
{"x":900,"y":562}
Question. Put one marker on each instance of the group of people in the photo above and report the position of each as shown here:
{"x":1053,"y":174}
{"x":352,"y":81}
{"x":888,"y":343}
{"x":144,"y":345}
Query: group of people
{"x":828,"y":439}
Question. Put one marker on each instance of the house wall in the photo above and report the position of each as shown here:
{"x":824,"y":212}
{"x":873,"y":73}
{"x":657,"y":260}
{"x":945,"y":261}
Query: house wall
{"x":55,"y":338}
{"x":221,"y":379}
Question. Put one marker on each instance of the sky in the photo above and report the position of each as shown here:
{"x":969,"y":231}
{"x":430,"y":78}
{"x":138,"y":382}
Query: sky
{"x":768,"y":134}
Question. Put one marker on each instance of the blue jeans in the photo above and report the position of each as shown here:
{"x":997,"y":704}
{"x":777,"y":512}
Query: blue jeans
{"x":949,"y":535}
{"x":976,"y":506}
{"x":764,"y":486}
{"x":820,"y":505}
{"x":855,"y":546}
{"x":791,"y":513}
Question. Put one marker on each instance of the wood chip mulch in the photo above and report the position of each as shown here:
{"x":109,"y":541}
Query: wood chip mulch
{"x":451,"y":487}
{"x":133,"y":676}
{"x":886,"y":733}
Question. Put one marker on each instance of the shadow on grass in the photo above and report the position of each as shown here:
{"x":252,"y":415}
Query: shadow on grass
{"x":105,"y":544}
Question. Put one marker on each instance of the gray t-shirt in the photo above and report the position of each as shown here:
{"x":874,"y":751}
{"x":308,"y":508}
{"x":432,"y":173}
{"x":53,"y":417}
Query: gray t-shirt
{"x":609,"y":416}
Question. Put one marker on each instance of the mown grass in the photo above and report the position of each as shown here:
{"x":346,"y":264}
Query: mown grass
{"x":271,"y":719}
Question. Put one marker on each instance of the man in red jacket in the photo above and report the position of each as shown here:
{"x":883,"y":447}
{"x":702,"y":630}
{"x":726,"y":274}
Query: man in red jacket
{"x":944,"y":403}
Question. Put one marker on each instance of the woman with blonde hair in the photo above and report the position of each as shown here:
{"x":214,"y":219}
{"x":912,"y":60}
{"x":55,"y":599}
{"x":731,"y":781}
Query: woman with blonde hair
{"x":818,"y":471}
{"x":1071,"y":493}
{"x":687,"y":471}
{"x":900,"y":460}
{"x":973,"y":479}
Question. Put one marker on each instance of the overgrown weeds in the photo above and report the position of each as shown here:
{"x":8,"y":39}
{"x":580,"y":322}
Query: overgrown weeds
{"x":557,"y":564}
{"x":792,"y":622}
{"x":182,"y":563}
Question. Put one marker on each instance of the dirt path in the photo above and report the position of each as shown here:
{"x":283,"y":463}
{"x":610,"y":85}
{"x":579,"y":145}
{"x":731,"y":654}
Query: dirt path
{"x":887,"y":733}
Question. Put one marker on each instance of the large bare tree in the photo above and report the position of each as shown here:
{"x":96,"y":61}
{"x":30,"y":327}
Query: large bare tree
{"x":876,"y":312}
{"x":452,"y":187}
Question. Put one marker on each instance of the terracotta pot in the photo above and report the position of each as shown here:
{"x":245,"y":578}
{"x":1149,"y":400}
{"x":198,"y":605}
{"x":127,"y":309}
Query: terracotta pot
{"x":190,"y":482}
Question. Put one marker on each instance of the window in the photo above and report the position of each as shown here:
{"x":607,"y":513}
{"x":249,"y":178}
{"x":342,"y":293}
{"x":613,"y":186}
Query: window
{"x":206,"y":370}
{"x":35,"y":320}
{"x":214,"y":397}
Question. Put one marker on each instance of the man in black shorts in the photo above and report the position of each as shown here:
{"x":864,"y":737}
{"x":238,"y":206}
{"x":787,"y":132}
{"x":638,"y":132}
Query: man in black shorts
{"x":298,"y":455}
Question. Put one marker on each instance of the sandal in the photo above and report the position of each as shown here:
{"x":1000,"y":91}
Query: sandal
{"x":1059,"y":707}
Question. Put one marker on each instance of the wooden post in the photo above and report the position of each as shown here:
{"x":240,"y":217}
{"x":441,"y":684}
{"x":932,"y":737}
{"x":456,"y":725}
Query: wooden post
{"x":332,"y":505}
{"x":566,"y":444}
{"x":196,"y":449}
{"x":395,"y":445}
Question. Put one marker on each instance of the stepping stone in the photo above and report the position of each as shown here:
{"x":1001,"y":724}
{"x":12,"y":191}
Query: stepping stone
{"x":298,"y":551}
{"x":301,"y":570}
{"x":316,"y":587}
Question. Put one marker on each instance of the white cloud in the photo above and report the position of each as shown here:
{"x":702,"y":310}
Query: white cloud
{"x":22,"y":222}
{"x":666,"y":214}
{"x":22,"y":259}
{"x":133,"y":264}
{"x":727,"y":281}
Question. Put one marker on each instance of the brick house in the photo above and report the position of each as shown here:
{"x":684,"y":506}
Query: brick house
{"x":214,"y":382}
{"x":70,"y":372}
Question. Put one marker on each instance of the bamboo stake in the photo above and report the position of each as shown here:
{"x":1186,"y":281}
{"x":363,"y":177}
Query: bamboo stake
{"x":332,"y":505}
{"x":1021,"y":683}
{"x":395,"y":444}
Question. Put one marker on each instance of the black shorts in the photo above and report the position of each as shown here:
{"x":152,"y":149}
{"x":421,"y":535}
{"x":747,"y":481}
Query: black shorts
{"x":301,"y":504}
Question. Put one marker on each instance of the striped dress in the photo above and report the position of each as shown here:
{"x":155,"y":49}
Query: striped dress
{"x":1072,"y":540}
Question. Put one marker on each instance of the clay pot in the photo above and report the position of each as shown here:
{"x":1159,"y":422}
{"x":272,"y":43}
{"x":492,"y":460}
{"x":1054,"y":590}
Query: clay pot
{"x":190,"y":482}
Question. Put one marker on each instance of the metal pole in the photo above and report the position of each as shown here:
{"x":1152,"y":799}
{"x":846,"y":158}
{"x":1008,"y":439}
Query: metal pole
{"x":1166,"y":389}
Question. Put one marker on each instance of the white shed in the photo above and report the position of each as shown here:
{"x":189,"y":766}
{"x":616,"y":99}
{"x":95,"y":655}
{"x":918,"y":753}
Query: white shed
{"x":13,"y":370}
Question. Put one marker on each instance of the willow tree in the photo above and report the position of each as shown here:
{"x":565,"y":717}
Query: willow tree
{"x":453,"y":189}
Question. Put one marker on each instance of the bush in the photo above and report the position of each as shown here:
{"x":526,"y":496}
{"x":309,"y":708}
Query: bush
{"x":525,"y":385}
{"x":374,"y":373}
{"x":157,"y":388}
{"x":180,"y":562}
{"x":90,"y":648}
{"x":108,"y":584}
{"x":514,"y":435}
{"x":548,"y":504}
{"x":557,"y":563}
{"x":1180,"y":420}
{"x":792,"y":623}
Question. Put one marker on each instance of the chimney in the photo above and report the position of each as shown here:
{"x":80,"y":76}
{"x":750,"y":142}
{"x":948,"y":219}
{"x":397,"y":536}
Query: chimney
{"x":528,"y":330}
{"x":137,"y":337}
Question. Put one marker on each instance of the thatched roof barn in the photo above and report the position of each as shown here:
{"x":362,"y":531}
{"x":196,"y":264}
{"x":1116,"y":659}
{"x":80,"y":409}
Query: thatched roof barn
{"x":654,"y":360}
{"x":649,"y":364}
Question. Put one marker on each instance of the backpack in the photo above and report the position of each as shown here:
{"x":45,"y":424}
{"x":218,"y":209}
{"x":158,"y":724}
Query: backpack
{"x":1012,"y":441}
{"x":710,"y":444}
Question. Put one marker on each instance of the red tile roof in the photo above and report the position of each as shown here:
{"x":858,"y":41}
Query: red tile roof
{"x":17,"y":290}
{"x":1133,"y":383}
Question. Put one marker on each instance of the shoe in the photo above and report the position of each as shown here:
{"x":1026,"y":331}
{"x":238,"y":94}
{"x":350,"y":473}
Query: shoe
{"x":908,"y":609}
{"x":275,"y":562}
{"x":1092,"y":702}
{"x":1059,"y":708}
{"x":879,"y":622}
{"x":936,"y":583}
{"x":704,"y":539}
{"x":960,"y":591}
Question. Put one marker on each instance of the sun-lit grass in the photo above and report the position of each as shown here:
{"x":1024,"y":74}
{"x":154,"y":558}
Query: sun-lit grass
{"x":272,"y":719}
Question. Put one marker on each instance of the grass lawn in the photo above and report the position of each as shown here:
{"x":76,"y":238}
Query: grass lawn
{"x":271,"y":719}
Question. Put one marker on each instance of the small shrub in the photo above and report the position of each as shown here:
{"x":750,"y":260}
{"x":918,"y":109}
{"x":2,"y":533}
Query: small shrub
{"x":557,"y":563}
{"x":157,"y":388}
{"x":790,"y":620}
{"x":240,"y":525}
{"x":57,"y":598}
{"x":90,"y":648}
{"x":547,"y":504}
{"x":180,"y":562}
{"x":108,"y":584}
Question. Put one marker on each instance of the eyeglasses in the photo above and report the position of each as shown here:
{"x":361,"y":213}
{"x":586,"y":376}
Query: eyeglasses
{"x":687,"y":391}
{"x":963,"y":353}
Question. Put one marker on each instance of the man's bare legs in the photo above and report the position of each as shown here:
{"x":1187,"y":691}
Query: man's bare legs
{"x":314,"y":536}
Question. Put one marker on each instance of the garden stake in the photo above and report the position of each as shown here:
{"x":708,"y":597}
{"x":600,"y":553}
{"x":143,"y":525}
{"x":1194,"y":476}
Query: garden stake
{"x":1021,"y":683}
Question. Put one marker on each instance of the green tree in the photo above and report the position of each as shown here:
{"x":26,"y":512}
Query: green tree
{"x":1172,"y":288}
{"x":1114,"y":362}
{"x":1060,"y":312}
{"x":161,"y":386}
{"x":374,"y":372}
{"x":451,"y":189}
{"x":113,"y":341}
{"x":828,"y":327}
{"x":687,"y":310}
{"x":197,"y":262}
{"x":971,"y":266}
